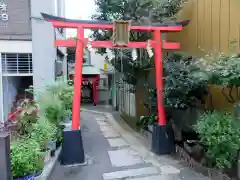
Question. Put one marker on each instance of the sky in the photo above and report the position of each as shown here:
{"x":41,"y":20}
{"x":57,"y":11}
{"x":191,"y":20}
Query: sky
{"x":79,"y":9}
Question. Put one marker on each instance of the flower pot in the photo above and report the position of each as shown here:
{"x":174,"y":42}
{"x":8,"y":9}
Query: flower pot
{"x":58,"y":144}
{"x":38,"y":176}
{"x":47,"y":156}
{"x":52,"y":153}
{"x":52,"y":145}
{"x":34,"y":176}
{"x":150,"y":128}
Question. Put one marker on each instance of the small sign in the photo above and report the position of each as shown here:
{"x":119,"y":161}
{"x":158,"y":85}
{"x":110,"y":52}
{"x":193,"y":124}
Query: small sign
{"x":105,"y":67}
{"x":3,"y":12}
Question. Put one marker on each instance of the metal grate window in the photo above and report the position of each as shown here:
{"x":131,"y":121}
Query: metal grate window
{"x":20,"y":63}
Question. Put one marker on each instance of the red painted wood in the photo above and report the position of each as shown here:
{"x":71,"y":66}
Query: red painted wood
{"x":62,"y":24}
{"x":109,"y":44}
{"x":159,"y":77}
{"x":78,"y":81}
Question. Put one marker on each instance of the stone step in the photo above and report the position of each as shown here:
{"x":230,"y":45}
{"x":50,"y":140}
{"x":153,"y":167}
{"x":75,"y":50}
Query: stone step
{"x":131,"y":173}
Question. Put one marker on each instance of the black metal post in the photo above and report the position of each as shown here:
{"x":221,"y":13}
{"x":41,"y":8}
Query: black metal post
{"x":5,"y":165}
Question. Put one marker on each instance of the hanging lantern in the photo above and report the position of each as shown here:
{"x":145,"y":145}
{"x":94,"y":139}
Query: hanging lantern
{"x":121,"y":31}
{"x":134,"y":54}
{"x":149,"y":49}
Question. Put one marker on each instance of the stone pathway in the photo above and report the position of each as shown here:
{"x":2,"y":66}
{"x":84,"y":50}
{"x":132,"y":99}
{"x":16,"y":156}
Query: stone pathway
{"x":123,"y":155}
{"x":116,"y":154}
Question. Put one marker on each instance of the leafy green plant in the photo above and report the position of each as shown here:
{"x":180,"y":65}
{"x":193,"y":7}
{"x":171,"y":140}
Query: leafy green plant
{"x":64,"y":91}
{"x":147,"y":120}
{"x":26,"y":158}
{"x":184,"y":83}
{"x":220,"y":135}
{"x":51,"y":107}
{"x":43,"y":132}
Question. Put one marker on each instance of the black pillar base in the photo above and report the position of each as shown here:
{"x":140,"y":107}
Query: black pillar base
{"x":162,"y":140}
{"x":72,"y":147}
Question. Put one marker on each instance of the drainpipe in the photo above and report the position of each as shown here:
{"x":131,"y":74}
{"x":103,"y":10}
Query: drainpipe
{"x":1,"y":92}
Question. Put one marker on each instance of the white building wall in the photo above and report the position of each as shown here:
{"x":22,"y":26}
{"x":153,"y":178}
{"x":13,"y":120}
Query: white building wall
{"x":43,"y":36}
{"x":15,"y":46}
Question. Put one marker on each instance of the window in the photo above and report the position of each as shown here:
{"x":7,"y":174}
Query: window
{"x":17,"y":63}
{"x":103,"y":83}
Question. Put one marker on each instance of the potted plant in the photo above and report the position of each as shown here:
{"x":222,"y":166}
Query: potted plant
{"x":27,"y":160}
{"x":43,"y":132}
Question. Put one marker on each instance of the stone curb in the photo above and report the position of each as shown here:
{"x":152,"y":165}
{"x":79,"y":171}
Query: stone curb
{"x":133,"y":138}
{"x":49,"y":167}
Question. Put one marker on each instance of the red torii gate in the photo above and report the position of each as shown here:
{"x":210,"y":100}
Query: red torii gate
{"x":80,"y":42}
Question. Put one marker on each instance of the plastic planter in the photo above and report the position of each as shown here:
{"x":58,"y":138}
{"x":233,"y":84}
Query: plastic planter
{"x":29,"y":177}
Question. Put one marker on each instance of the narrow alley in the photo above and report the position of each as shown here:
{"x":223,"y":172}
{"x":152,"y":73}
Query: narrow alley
{"x":114,"y":152}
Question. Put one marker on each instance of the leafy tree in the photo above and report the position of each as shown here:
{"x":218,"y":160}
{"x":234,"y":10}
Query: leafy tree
{"x":143,"y":12}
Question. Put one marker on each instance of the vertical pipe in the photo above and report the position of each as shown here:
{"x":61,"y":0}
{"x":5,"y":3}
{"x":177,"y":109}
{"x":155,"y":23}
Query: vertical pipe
{"x":97,"y":89}
{"x":78,"y":80}
{"x":1,"y":90}
{"x":159,"y":77}
{"x":94,"y":91}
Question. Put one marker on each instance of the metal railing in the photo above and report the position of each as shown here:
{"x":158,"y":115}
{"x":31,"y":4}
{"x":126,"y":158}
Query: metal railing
{"x":20,"y":63}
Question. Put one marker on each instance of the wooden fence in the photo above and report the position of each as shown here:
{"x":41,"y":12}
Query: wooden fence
{"x":214,"y":27}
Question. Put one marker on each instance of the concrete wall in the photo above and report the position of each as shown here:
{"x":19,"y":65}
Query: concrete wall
{"x":18,"y":26}
{"x":43,"y":36}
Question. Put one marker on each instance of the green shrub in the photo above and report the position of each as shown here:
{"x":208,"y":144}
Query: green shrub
{"x":43,"y":132}
{"x":26,"y":157}
{"x":64,"y":91}
{"x":52,"y":108}
{"x":220,"y":134}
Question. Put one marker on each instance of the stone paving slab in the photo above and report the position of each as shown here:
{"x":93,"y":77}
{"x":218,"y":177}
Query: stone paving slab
{"x":100,"y":118}
{"x":103,"y":123}
{"x":111,"y":134}
{"x":158,"y":177}
{"x":125,"y":157}
{"x":106,"y":128}
{"x":131,"y":173}
{"x":118,"y":142}
{"x":169,"y":169}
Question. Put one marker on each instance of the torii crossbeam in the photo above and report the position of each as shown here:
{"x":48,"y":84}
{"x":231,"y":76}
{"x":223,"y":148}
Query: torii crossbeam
{"x":80,"y":43}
